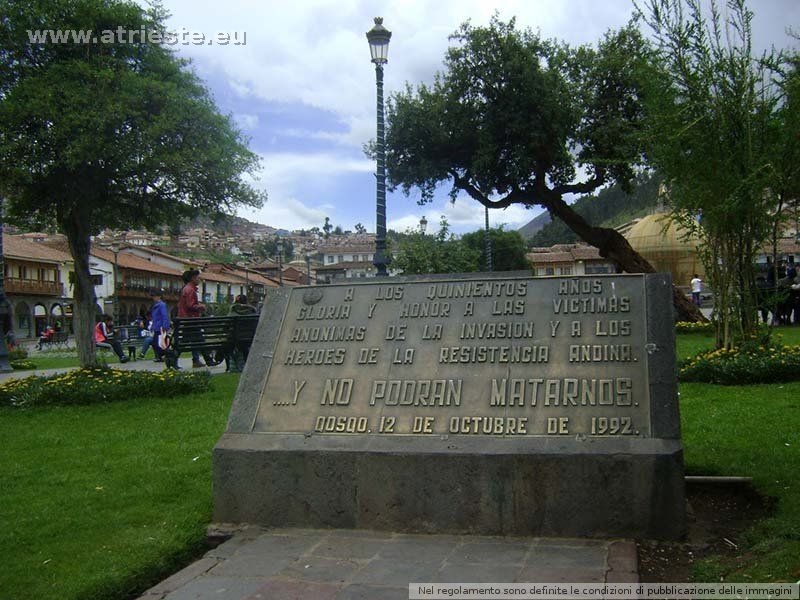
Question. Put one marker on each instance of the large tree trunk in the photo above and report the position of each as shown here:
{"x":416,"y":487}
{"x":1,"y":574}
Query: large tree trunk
{"x":613,"y":246}
{"x":85,"y":301}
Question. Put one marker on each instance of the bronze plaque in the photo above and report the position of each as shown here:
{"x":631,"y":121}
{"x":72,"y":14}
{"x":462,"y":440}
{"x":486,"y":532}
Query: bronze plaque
{"x":491,"y":357}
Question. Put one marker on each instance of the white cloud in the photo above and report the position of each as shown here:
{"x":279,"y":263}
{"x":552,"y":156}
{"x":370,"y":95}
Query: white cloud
{"x":282,"y":170}
{"x":410,"y":222}
{"x":315,"y":52}
{"x":463,"y":216}
{"x":355,"y":131}
{"x":287,"y":213}
{"x":247,"y":121}
{"x":467,"y":212}
{"x":283,"y":173}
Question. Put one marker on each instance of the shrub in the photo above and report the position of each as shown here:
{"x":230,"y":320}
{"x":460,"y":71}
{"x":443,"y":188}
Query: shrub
{"x":90,"y":386}
{"x":17,"y":354}
{"x":750,"y":363}
{"x":22,"y":365}
{"x":696,"y":327}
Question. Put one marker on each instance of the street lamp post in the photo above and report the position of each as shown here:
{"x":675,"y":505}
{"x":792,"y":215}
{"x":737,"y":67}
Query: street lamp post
{"x":115,"y":305}
{"x":378,"y":38}
{"x":280,"y":262}
{"x":308,"y":269}
{"x":488,"y":242}
{"x":4,"y":366}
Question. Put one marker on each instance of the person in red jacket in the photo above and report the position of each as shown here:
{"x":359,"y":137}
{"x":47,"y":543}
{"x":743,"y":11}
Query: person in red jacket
{"x":104,"y":337}
{"x":190,"y":306}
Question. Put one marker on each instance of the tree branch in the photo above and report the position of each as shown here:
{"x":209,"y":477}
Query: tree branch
{"x":515,"y":196}
{"x":585,"y":187}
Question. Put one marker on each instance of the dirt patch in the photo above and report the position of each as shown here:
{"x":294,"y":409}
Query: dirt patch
{"x":717,"y":516}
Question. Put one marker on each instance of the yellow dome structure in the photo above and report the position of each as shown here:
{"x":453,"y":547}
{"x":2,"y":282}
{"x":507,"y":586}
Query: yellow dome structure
{"x":667,"y":246}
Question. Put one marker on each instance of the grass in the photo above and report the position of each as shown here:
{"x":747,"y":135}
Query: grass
{"x":751,"y":431}
{"x":101,"y":501}
{"x":64,"y":359}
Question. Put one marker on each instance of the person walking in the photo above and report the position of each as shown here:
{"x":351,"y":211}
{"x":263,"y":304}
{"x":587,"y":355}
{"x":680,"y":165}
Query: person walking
{"x":697,"y":287}
{"x":160,"y":321}
{"x":190,"y":307}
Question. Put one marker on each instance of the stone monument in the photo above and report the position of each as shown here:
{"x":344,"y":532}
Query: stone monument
{"x":496,"y":405}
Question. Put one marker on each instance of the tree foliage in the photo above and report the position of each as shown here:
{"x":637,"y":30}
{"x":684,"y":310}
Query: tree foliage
{"x":514,"y":118}
{"x":508,"y":249}
{"x":515,"y":115}
{"x":118,"y":135}
{"x":416,"y":253}
{"x":719,"y":130}
{"x":442,"y":252}
{"x":269,"y":248}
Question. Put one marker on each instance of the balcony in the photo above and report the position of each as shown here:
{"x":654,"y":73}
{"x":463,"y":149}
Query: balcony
{"x":135,"y":290}
{"x":33,"y":287}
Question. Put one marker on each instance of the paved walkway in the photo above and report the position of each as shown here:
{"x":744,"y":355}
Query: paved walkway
{"x":135,"y":365}
{"x":287,"y":564}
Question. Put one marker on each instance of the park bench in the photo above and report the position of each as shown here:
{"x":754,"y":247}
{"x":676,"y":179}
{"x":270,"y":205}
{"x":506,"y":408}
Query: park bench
{"x":215,"y":338}
{"x":129,"y":338}
{"x":59,"y":339}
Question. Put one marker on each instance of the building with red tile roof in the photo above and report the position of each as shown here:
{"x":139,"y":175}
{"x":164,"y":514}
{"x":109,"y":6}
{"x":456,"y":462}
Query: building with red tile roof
{"x":568,"y":259}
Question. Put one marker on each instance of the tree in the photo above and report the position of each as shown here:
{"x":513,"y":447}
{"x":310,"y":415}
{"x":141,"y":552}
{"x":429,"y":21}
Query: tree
{"x":269,"y":248}
{"x":118,"y":135}
{"x":327,"y":227}
{"x":719,"y":130}
{"x":360,"y":229}
{"x":786,"y":158}
{"x":419,"y":254}
{"x":508,"y":249}
{"x":515,"y":118}
{"x":338,"y":230}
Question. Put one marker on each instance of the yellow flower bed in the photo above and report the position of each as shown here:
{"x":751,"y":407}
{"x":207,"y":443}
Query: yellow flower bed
{"x":89,"y":386}
{"x":750,"y":363}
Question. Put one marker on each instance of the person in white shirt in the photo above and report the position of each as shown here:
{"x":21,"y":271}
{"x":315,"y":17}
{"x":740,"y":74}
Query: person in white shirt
{"x":697,"y":287}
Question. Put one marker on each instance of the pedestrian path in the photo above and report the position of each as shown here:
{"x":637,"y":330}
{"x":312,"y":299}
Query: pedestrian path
{"x":285,"y":564}
{"x":134,"y":365}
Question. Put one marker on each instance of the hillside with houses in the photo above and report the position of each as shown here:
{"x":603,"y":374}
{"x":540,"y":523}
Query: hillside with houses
{"x":234,"y":259}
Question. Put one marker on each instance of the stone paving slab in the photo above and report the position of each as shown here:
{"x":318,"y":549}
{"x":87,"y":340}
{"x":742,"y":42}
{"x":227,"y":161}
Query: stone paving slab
{"x":310,"y":564}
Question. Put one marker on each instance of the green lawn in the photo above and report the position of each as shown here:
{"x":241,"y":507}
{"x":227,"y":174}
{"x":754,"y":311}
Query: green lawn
{"x":60,"y":362}
{"x":55,"y":359}
{"x":99,"y":501}
{"x":751,"y":431}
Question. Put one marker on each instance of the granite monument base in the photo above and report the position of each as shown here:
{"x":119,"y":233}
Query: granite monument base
{"x":482,"y":404}
{"x":537,"y":487}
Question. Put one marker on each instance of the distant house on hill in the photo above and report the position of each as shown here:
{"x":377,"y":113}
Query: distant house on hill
{"x":353,"y":261}
{"x":568,"y":259}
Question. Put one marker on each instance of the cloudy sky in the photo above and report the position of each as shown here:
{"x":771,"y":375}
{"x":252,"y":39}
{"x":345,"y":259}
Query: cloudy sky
{"x":303,"y":89}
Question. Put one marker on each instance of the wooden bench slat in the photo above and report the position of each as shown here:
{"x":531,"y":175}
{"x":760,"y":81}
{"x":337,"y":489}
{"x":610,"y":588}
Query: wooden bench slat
{"x":214,"y":333}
